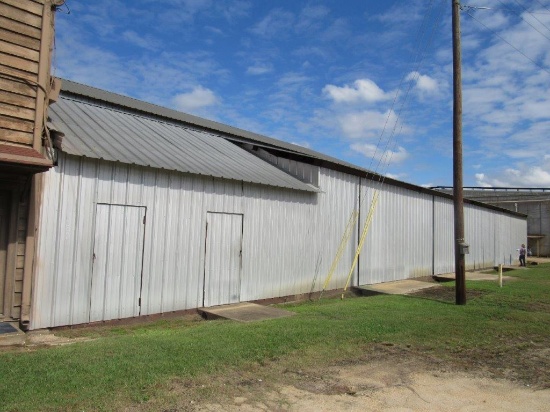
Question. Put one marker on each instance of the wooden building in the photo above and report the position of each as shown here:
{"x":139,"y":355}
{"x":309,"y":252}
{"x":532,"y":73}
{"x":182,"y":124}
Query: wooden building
{"x":26,"y":88}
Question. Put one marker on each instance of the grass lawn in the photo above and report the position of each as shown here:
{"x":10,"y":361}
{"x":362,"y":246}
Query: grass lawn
{"x":128,"y":365}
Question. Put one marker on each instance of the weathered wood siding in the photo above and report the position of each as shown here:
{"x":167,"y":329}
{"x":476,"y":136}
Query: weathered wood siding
{"x":21,"y":37}
{"x":26,"y":36}
{"x":13,"y":236}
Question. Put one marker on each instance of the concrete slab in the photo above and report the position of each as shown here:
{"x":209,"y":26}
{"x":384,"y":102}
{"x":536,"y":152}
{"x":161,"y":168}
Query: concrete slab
{"x":399,"y":287}
{"x":244,"y":312}
{"x":10,"y":334}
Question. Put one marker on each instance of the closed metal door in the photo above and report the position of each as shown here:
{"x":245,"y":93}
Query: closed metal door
{"x":223,"y":256}
{"x":117,"y":262}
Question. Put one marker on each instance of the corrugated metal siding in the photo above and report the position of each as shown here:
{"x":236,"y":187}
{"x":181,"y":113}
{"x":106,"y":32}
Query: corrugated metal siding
{"x":109,"y":134}
{"x":479,"y":233}
{"x":289,"y":237}
{"x":223,"y":259}
{"x":173,"y":256}
{"x":399,"y":242}
{"x":117,"y":262}
{"x":493,"y":236}
{"x":444,"y":252}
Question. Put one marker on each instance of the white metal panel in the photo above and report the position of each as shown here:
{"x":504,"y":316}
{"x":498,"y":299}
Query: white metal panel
{"x":399,"y":241}
{"x":289,"y":237}
{"x":444,"y":252}
{"x":222,"y":270}
{"x":479,"y":234}
{"x":117,"y":262}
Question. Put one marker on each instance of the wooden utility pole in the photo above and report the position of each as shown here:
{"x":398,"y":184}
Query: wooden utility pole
{"x":460,"y":275}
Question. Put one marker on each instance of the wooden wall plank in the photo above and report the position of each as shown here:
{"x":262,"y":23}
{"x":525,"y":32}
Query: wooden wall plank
{"x":11,"y":256}
{"x":17,"y":112}
{"x":18,"y":274}
{"x":29,"y":6}
{"x":16,"y":312}
{"x":20,"y":16}
{"x":20,"y":28}
{"x":20,"y":251}
{"x":19,"y":63}
{"x":16,"y":136}
{"x":18,"y":87}
{"x":6,"y":72}
{"x":17,"y":100}
{"x":23,"y":41}
{"x":17,"y":125}
{"x":19,"y":51}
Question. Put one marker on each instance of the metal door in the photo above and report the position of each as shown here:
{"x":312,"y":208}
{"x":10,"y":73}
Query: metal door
{"x":223,"y":257}
{"x":117,"y":262}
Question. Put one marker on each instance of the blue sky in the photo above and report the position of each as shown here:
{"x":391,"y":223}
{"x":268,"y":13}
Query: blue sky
{"x":369,"y":82}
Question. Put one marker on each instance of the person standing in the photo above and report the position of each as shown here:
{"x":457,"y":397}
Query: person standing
{"x":522,"y":252}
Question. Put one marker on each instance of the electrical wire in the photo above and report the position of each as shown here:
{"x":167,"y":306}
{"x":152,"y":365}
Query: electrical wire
{"x":510,"y":44}
{"x":543,"y":5}
{"x":386,"y":155}
{"x":527,"y":11}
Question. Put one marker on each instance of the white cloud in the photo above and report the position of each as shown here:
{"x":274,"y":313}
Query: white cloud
{"x":362,"y":90}
{"x":145,"y":42}
{"x":399,"y":14}
{"x":380,"y":154}
{"x":197,"y":98}
{"x":277,"y":22}
{"x":424,"y":83}
{"x":258,"y":69}
{"x":311,"y":18}
{"x":366,"y":124}
{"x":534,"y":176}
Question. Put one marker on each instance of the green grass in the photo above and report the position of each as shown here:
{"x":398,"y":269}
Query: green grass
{"x":131,"y":364}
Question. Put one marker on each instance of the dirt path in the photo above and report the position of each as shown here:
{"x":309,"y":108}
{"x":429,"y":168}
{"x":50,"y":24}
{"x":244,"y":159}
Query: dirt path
{"x":384,"y":386}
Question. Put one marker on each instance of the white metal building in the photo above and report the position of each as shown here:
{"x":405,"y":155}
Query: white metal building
{"x":151,"y":211}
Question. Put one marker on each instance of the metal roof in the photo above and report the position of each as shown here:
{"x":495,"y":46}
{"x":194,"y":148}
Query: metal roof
{"x":229,"y":132}
{"x":133,"y":107}
{"x":102,"y":132}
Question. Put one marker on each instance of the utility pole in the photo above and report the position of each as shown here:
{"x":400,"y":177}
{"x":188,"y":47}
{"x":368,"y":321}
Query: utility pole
{"x":460,"y":246}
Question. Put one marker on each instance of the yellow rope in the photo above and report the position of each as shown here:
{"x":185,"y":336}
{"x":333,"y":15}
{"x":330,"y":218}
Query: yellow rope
{"x":363,"y":237}
{"x":343,"y":242}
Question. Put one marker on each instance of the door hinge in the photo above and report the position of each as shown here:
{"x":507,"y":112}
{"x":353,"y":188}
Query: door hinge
{"x":139,"y":301}
{"x":144,"y":219}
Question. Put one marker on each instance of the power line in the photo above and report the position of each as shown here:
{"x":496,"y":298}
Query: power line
{"x":465,"y":7}
{"x":507,"y":42}
{"x":387,"y":153}
{"x":533,"y":17}
{"x":543,"y":5}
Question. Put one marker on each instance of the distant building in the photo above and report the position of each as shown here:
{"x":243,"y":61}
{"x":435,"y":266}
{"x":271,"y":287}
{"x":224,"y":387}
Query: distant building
{"x":533,"y":202}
